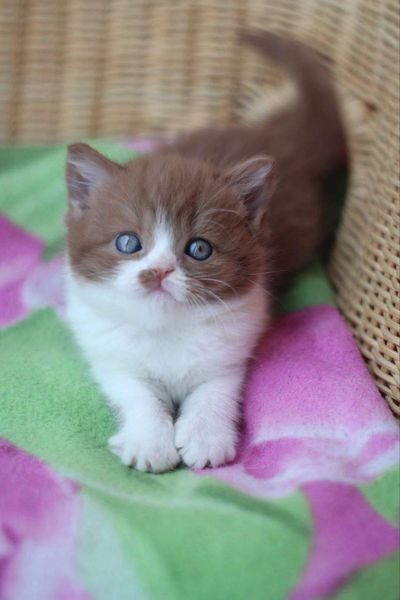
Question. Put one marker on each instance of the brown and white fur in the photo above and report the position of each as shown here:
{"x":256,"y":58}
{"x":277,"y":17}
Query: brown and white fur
{"x":168,"y":337}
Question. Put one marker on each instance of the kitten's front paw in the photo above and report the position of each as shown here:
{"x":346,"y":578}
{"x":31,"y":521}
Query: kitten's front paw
{"x":154,"y":452}
{"x":205,"y":441}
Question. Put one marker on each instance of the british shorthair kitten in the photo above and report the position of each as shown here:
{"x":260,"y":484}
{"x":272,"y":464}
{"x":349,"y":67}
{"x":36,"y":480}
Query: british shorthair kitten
{"x":169,"y":261}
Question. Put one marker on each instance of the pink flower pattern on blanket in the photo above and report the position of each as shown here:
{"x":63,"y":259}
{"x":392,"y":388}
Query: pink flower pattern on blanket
{"x":39,"y":513}
{"x":26,"y":282}
{"x":348,"y":534}
{"x":315,"y":421}
{"x":312,"y":412}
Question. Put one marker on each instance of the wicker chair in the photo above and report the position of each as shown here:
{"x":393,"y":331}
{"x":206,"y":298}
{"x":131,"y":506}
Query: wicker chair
{"x":100,"y":68}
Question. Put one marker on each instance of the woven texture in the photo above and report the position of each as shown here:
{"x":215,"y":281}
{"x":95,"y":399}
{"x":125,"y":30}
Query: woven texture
{"x":103,"y":68}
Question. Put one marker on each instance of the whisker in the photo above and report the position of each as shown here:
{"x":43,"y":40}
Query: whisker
{"x":220,"y":282}
{"x":208,"y":291}
{"x":199,"y":303}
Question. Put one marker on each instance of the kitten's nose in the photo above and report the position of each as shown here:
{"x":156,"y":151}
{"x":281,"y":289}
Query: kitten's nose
{"x":162,"y":273}
{"x":151,"y":278}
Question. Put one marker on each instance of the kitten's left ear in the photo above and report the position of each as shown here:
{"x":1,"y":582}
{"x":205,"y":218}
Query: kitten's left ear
{"x":255,"y":180}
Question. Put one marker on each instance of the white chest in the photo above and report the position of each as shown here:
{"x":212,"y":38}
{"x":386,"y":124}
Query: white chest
{"x":175,"y":353}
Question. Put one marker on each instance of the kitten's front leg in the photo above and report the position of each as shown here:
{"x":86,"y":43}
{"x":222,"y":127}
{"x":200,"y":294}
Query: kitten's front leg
{"x":146,"y":436}
{"x":206,"y":431}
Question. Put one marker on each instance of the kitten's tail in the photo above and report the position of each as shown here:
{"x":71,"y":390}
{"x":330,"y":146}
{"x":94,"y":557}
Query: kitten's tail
{"x":318,"y":106}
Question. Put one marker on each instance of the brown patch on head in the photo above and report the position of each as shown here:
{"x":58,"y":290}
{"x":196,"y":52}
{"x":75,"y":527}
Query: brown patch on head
{"x":195,"y":201}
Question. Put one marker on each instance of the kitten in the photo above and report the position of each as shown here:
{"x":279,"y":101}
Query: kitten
{"x":168,"y":291}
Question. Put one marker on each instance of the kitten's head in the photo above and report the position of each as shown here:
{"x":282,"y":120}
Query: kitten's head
{"x":167,"y":229}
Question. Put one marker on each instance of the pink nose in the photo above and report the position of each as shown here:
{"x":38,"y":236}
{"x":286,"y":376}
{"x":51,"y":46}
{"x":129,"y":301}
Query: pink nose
{"x":151,"y":278}
{"x":163,"y":273}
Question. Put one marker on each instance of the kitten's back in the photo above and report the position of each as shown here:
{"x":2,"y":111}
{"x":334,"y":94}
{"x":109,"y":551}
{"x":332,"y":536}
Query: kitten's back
{"x":306,"y":139}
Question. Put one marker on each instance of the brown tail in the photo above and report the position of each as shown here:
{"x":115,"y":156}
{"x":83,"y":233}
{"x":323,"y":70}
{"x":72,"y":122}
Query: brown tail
{"x":318,"y":103}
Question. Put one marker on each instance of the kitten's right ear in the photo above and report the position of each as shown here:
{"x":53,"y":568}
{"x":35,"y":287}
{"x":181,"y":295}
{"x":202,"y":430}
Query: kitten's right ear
{"x":255,"y":180}
{"x":86,"y":169}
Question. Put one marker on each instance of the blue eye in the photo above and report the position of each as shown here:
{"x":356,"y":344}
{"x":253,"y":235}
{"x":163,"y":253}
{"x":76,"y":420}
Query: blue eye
{"x":128,"y":243}
{"x":199,"y":249}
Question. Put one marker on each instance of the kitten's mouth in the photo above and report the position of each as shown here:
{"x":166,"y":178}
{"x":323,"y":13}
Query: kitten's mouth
{"x":160,"y":292}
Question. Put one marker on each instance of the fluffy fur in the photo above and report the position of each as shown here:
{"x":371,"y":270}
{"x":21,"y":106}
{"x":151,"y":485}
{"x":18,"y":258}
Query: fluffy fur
{"x":168,"y":337}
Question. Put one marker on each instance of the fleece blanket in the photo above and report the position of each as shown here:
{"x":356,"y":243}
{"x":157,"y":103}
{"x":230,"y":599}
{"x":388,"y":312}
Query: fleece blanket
{"x":309,"y":509}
